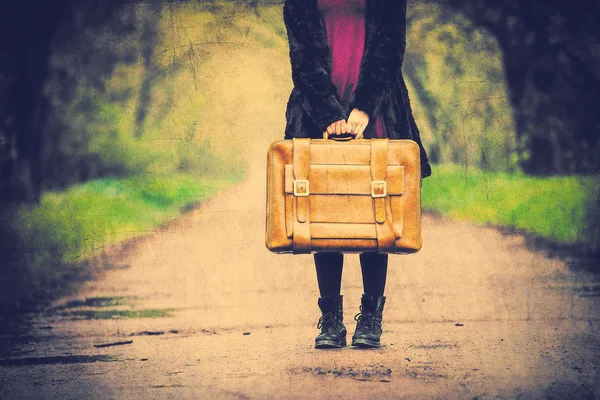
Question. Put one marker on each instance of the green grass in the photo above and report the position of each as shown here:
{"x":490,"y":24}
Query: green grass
{"x":561,"y":209}
{"x":121,"y":314}
{"x":46,"y":246}
{"x":71,"y":225}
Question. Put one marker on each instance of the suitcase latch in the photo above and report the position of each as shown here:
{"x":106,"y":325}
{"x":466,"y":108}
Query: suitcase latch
{"x":301,"y":188}
{"x":378,"y":189}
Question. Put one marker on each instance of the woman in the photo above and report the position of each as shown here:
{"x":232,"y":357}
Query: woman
{"x":346,"y":58}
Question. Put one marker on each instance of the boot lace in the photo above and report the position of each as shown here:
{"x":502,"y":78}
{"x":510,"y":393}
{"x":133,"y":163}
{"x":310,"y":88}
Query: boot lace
{"x":366,"y":319}
{"x":325,"y":321}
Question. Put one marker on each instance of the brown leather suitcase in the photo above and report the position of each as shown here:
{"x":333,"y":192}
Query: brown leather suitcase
{"x":355,"y":196}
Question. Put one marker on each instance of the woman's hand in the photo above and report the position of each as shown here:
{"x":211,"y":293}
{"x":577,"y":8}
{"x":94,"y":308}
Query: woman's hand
{"x":357,"y":123}
{"x":336,"y":128}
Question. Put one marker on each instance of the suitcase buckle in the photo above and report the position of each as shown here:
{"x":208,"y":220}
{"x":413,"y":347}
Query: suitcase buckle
{"x":301,"y":188}
{"x":378,"y":189}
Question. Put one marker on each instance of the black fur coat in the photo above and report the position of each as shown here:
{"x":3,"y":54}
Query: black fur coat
{"x":314,"y":103}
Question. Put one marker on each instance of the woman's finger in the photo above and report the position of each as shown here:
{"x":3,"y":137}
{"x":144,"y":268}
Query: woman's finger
{"x":361,"y":131}
{"x":349,"y":127}
{"x":325,"y":135}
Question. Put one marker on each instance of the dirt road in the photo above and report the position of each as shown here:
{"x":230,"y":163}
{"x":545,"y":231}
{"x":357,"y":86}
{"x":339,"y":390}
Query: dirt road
{"x":200,"y":309}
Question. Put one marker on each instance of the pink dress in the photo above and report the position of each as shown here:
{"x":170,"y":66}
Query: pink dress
{"x":345,"y":26}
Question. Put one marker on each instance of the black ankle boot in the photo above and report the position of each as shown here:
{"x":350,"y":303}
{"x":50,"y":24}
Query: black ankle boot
{"x":333,"y":331}
{"x":368,"y":326}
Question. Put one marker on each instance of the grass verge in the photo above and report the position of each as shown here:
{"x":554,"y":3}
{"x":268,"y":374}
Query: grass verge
{"x":563,"y":210}
{"x":47,"y":243}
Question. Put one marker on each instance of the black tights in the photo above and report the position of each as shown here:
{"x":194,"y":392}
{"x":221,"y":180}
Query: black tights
{"x":329,"y":273}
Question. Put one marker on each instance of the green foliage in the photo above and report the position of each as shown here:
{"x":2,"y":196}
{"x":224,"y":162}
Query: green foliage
{"x":139,"y":131}
{"x":456,"y":81}
{"x":552,"y":76}
{"x":142,"y":112}
{"x":559,"y":209}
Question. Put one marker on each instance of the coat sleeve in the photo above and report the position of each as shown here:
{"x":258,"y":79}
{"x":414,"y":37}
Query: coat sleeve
{"x":310,"y":59}
{"x":383,"y":58}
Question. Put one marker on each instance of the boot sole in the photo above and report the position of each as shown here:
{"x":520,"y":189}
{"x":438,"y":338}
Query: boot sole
{"x":330,"y":344}
{"x":364,"y":343}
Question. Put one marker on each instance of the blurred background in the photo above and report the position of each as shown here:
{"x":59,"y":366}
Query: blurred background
{"x":108,"y":123}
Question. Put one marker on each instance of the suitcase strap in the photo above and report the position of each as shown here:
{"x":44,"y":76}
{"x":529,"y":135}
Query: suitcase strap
{"x":386,"y":238}
{"x":301,"y":165}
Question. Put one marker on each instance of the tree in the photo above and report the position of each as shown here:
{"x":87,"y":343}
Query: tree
{"x":26,"y":31}
{"x":551,"y":54}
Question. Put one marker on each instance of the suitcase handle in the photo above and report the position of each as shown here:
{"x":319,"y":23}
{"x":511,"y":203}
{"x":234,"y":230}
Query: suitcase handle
{"x":344,"y":137}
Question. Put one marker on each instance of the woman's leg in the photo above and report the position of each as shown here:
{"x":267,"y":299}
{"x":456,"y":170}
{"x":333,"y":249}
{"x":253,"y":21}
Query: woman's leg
{"x":329,"y":276}
{"x":368,"y":328}
{"x":329,"y":273}
{"x":374,"y":273}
